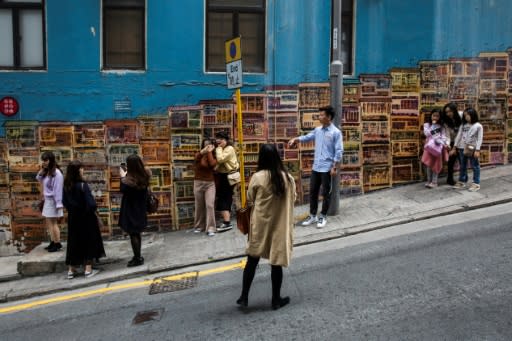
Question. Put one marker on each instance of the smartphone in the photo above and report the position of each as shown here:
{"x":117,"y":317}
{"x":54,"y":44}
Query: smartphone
{"x":123,"y":166}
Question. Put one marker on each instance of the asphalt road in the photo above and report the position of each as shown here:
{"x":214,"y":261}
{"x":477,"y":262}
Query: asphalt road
{"x":445,"y":278}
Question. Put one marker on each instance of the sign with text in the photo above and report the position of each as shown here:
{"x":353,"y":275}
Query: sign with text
{"x":234,"y":63}
{"x":234,"y":74}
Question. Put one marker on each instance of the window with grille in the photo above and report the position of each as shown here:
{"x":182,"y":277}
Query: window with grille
{"x":22,"y":34}
{"x":124,"y":34}
{"x":226,"y":19}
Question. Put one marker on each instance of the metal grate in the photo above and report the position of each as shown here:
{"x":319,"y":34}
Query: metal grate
{"x":147,"y":316}
{"x":173,"y":283}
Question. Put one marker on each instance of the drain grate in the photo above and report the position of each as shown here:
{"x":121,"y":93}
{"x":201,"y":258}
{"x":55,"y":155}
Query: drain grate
{"x":147,"y":316}
{"x":173,"y":283}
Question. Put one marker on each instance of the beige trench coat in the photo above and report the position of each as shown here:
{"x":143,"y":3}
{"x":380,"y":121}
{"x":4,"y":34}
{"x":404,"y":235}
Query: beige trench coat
{"x":271,"y":233}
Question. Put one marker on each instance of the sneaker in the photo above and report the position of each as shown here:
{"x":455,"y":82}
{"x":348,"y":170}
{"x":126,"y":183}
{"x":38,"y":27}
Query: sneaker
{"x":224,"y":227}
{"x":322,"y":221}
{"x":474,"y":187}
{"x":310,"y":220}
{"x":91,"y":273}
{"x":210,"y":234}
{"x":459,"y":185}
{"x":427,"y":184}
{"x":432,"y":185}
{"x":71,"y":275}
{"x":136,"y":262}
{"x":197,"y":231}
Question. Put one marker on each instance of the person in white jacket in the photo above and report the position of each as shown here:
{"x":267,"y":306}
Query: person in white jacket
{"x":467,"y":144}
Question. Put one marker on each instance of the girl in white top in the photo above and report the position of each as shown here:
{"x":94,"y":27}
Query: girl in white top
{"x":470,"y":134}
{"x":52,"y":183}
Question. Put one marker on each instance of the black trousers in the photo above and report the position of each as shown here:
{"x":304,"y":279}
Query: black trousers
{"x":223,"y":192}
{"x":319,"y":179}
{"x":451,"y":163}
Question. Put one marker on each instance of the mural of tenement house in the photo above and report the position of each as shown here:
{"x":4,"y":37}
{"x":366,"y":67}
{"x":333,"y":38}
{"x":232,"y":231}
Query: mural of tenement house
{"x":382,"y":119}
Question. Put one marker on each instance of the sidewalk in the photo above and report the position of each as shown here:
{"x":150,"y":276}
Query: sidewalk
{"x":180,"y":249}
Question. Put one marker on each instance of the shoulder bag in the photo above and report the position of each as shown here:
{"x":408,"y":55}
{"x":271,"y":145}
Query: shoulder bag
{"x":151,"y":202}
{"x":433,"y":148}
{"x":234,"y":178}
{"x":469,"y":150}
{"x":243,"y":218}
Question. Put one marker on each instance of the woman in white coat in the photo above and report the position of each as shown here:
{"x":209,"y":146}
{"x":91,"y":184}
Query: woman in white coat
{"x":272,"y":192}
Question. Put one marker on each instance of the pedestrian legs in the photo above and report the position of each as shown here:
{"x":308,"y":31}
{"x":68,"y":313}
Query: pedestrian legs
{"x":451,"y":164}
{"x":326,"y":192}
{"x":314,"y":190}
{"x":475,"y":163}
{"x":200,"y":207}
{"x":463,"y":163}
{"x":209,"y":197}
{"x":249,"y":271}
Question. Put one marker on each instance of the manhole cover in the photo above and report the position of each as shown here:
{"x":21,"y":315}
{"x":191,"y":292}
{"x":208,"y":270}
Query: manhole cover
{"x":148,"y":316}
{"x":173,"y":283}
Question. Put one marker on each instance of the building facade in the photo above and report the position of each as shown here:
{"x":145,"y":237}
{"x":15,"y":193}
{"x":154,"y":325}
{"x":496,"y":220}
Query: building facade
{"x":97,"y":80}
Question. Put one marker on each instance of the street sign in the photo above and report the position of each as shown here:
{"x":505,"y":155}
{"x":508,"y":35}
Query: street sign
{"x":234,"y":63}
{"x":233,"y":50}
{"x":234,"y":78}
{"x":234,"y":74}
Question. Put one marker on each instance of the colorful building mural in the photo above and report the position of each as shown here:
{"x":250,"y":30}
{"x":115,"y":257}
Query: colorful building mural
{"x":84,"y":101}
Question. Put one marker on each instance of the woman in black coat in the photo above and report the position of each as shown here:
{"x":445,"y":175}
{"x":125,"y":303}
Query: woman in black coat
{"x":84,"y":236}
{"x":133,"y":214}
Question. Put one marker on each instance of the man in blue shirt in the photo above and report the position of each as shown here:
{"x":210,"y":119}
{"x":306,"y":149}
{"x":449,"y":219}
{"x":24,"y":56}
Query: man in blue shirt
{"x":328,"y":151}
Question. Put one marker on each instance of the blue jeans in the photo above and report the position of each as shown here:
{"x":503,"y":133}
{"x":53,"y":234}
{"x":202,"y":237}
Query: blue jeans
{"x":463,"y":171}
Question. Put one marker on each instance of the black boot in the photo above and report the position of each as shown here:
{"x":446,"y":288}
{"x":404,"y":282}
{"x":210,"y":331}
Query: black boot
{"x":55,"y":247}
{"x":243,"y":302}
{"x":49,"y":245}
{"x":136,"y":261}
{"x":279,"y":303}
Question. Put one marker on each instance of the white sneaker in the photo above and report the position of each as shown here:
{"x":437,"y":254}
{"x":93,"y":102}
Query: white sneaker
{"x":459,"y":185}
{"x":224,"y":227}
{"x":310,"y":220}
{"x":92,"y":273}
{"x":211,"y":234}
{"x":322,"y":221}
{"x":474,"y":187}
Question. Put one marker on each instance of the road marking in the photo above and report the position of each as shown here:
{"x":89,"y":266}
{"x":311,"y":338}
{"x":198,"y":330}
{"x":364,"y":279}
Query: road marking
{"x":89,"y":293}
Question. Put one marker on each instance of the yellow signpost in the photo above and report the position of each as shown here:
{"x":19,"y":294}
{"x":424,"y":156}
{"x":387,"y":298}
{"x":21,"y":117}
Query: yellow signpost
{"x":234,"y":81}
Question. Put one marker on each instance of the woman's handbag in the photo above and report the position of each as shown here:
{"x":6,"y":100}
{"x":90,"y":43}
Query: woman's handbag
{"x":243,"y":219}
{"x":40,"y":205}
{"x":469,"y":150}
{"x":433,"y":148}
{"x":151,"y":202}
{"x":234,"y":178}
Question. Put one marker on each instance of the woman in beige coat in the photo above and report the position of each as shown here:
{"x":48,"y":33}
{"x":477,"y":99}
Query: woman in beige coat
{"x":272,"y":191}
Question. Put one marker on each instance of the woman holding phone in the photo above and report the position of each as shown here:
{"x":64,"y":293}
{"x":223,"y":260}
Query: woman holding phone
{"x":52,"y":182}
{"x":204,"y":189}
{"x":133,"y":215}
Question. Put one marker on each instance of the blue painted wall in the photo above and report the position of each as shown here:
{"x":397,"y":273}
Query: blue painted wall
{"x":400,"y":33}
{"x":389,"y":33}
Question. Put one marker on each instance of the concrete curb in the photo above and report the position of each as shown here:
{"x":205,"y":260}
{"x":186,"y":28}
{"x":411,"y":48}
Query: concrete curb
{"x":307,"y":240}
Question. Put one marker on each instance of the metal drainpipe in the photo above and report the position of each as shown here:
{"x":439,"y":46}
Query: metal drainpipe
{"x":336,"y":81}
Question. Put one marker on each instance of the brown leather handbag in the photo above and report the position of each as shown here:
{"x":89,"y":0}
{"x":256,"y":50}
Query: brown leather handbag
{"x":243,"y":219}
